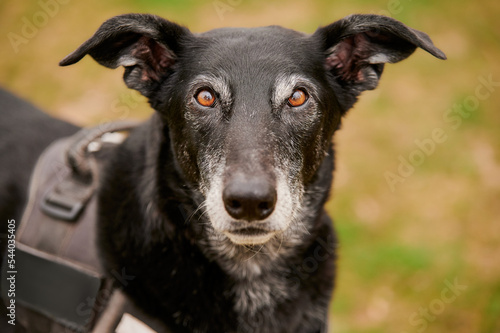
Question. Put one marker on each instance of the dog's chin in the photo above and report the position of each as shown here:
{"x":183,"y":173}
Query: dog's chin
{"x":249,"y":236}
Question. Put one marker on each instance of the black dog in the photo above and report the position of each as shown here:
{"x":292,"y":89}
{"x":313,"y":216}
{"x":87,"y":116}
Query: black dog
{"x":215,"y":205}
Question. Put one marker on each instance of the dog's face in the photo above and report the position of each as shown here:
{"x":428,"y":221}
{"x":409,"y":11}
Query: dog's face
{"x":251,"y":116}
{"x":251,"y":112}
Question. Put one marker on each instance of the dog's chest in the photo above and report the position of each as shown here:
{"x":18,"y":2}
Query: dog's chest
{"x":261,"y":293}
{"x":256,"y":299}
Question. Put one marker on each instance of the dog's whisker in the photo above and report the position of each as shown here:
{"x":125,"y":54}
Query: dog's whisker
{"x":249,"y":248}
{"x":255,"y":253}
{"x":314,"y":191}
{"x":281,"y":242}
{"x":200,"y":207}
{"x":302,"y":225}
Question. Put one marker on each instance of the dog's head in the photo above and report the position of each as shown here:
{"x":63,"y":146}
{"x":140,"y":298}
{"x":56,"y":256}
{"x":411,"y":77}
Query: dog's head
{"x":251,"y":112}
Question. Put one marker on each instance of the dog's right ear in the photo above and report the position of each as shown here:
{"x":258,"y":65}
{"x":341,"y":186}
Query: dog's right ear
{"x":146,"y":45}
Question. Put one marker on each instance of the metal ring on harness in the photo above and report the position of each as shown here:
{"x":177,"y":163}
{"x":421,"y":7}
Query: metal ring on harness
{"x":78,"y":151}
{"x":67,"y":199}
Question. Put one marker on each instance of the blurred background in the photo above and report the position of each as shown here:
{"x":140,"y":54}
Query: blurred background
{"x":416,"y":197}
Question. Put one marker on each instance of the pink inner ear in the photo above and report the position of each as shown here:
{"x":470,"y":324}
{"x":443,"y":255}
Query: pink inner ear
{"x":153,"y":57}
{"x":349,"y":56}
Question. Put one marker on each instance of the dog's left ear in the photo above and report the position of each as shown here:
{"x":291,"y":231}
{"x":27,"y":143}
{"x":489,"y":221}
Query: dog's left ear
{"x":356,"y":48}
{"x":146,"y":45}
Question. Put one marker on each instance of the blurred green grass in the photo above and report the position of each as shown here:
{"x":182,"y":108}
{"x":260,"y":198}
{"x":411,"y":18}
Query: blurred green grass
{"x":397,"y":248}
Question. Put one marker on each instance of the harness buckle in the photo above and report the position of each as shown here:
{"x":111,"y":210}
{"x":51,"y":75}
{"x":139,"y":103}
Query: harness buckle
{"x":68,"y":198}
{"x":61,"y":207}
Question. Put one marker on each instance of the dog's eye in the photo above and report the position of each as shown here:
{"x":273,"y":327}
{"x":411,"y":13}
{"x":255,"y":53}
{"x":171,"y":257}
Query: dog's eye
{"x":205,"y":97}
{"x":298,"y":98}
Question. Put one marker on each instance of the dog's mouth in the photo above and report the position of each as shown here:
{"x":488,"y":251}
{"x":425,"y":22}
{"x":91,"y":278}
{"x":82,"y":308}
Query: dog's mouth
{"x":249,"y":235}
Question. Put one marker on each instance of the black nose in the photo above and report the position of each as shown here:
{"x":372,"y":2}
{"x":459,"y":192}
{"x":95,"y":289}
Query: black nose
{"x":250,"y":199}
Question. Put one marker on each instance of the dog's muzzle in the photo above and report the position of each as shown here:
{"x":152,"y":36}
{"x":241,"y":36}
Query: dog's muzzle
{"x":249,"y":201}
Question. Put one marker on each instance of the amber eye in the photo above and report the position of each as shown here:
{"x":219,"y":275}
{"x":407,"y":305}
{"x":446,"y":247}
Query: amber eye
{"x":205,"y":97}
{"x":298,"y":98}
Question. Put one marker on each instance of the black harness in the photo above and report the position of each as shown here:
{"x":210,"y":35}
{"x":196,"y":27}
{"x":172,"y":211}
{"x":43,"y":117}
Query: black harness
{"x":61,"y":285}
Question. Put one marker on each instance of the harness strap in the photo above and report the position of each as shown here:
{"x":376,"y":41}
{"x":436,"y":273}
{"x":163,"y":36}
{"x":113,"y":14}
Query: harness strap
{"x":121,"y":316}
{"x":110,"y":317}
